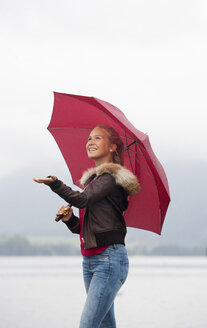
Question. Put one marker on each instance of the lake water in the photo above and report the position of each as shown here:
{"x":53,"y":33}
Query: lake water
{"x":48,"y":292}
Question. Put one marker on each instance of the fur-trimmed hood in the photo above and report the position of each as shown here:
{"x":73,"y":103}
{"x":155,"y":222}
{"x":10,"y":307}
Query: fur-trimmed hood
{"x":123,"y":177}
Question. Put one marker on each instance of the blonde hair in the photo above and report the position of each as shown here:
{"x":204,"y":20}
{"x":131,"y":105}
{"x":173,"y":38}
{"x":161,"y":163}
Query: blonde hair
{"x":114,"y":138}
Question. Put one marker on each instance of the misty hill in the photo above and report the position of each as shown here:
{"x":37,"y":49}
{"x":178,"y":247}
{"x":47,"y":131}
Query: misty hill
{"x":29,"y":209}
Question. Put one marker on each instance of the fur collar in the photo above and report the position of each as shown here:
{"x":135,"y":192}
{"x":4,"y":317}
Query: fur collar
{"x":123,"y":176}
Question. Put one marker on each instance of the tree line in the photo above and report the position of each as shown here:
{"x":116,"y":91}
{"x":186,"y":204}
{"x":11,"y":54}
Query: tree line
{"x":21,"y":246}
{"x":18,"y":245}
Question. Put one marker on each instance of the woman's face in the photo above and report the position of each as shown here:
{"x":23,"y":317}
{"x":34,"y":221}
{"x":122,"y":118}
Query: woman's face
{"x":98,"y":146}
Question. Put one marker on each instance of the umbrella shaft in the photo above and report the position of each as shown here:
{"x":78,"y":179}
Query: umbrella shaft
{"x":128,"y":146}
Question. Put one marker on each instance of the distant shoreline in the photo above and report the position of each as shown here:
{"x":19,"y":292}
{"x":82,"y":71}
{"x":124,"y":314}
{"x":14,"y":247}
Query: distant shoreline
{"x":24,"y":246}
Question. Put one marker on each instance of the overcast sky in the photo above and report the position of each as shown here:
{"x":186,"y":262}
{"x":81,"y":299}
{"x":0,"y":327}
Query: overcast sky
{"x":147,"y":57}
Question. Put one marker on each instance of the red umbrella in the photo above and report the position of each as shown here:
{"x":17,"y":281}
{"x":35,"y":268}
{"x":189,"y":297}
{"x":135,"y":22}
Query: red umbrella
{"x":72,"y":120}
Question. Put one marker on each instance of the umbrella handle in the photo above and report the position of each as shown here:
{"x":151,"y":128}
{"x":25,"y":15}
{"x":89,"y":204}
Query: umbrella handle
{"x":58,"y":217}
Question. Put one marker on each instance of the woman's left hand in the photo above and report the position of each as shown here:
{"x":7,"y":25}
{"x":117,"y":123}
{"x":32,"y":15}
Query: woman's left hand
{"x":49,"y":180}
{"x":65,"y":212}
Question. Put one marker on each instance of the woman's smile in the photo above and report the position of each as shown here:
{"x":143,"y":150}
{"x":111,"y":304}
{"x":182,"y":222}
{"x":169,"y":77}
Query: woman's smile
{"x":92,"y":149}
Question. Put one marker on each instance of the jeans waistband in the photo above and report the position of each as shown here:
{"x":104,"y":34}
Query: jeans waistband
{"x":115,"y":246}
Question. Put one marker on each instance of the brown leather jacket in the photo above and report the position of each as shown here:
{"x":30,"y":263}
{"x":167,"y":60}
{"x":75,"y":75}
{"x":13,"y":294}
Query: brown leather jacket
{"x":104,"y":200}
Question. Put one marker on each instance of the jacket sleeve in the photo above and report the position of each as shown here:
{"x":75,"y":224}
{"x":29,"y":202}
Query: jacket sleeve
{"x":97,"y":190}
{"x":73,"y":224}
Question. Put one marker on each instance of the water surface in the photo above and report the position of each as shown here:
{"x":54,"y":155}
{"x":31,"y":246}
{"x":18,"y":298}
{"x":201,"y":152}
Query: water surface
{"x":48,"y":292}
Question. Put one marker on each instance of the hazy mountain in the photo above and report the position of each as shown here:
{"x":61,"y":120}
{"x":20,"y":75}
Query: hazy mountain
{"x":29,"y":209}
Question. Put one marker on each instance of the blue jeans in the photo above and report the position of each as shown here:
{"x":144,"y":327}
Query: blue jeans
{"x":104,"y":274}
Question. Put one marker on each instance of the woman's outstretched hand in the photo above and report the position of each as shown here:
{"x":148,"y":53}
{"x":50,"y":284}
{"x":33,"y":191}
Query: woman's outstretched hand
{"x":49,"y":180}
{"x":66,"y":212}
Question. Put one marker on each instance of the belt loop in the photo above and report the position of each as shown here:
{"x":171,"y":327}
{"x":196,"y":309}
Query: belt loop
{"x":114,"y":246}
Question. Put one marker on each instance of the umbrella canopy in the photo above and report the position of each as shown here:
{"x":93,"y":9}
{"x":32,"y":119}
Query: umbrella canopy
{"x":72,"y":120}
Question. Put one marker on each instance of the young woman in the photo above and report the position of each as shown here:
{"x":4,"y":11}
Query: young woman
{"x":100,"y":224}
